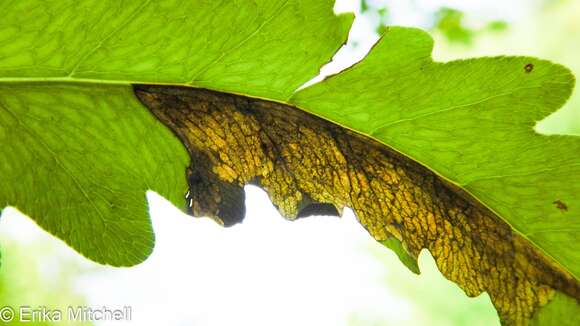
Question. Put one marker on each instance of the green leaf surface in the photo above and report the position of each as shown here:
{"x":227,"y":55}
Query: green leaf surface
{"x":263,"y":48}
{"x":396,"y":246}
{"x":562,"y":310}
{"x":79,"y":151}
{"x":472,"y":122}
{"x":79,"y":159}
{"x":85,"y":152}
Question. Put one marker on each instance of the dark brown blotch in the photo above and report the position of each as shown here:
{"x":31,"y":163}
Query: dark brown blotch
{"x":529,"y":68}
{"x":560,"y":205}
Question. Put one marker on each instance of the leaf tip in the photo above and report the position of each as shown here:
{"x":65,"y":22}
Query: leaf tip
{"x":404,"y":256}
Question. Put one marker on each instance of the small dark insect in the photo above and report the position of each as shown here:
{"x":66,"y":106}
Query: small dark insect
{"x":529,"y":67}
{"x":561,"y":205}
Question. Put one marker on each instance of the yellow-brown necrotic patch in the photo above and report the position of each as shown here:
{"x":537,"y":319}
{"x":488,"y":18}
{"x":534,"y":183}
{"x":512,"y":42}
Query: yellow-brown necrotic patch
{"x":310,"y":166}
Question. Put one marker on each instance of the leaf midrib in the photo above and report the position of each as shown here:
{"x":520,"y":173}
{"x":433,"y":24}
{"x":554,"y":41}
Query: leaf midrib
{"x":73,"y":80}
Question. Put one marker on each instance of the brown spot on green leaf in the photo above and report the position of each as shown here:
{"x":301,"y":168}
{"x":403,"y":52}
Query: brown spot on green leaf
{"x":561,"y":205}
{"x":529,"y":67}
{"x":308,"y":165}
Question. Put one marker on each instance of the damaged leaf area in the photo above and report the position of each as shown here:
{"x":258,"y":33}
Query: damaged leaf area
{"x":308,"y":166}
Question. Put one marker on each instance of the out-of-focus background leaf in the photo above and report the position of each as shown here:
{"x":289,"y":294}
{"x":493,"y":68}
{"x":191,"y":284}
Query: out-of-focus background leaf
{"x":35,"y":273}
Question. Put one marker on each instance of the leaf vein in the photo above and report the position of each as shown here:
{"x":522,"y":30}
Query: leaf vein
{"x":240,"y":44}
{"x":446,"y":109}
{"x":108,"y":36}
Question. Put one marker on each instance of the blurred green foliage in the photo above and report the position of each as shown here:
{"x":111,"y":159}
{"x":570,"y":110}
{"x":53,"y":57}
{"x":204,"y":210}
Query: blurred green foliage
{"x":33,"y":274}
{"x":433,"y":300}
{"x":451,"y":23}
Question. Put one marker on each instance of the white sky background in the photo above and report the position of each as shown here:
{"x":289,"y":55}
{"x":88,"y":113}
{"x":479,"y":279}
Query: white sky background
{"x":266,"y":271}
